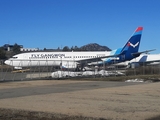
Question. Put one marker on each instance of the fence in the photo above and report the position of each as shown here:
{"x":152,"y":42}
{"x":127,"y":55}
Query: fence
{"x":8,"y":73}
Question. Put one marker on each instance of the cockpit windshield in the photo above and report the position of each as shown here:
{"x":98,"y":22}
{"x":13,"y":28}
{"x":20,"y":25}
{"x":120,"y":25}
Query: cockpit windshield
{"x":14,"y":57}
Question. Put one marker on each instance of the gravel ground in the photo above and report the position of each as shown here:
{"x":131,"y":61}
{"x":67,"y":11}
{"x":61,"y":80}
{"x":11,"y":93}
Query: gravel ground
{"x":79,"y":100}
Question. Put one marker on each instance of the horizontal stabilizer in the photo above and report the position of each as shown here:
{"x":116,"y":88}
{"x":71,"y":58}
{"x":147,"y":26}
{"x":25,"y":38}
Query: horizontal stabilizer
{"x":138,"y":53}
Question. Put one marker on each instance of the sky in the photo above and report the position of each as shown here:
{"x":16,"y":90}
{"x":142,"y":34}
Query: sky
{"x":58,"y":23}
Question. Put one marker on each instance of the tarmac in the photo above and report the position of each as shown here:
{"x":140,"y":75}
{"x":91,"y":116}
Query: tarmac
{"x":98,"y":99}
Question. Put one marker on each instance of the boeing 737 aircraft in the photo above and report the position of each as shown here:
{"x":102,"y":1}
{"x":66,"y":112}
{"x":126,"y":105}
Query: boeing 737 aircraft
{"x":73,"y":59}
{"x":144,"y":59}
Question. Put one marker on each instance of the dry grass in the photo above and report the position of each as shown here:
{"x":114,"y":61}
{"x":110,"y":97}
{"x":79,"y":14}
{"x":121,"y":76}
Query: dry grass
{"x":13,"y":114}
{"x":154,"y":78}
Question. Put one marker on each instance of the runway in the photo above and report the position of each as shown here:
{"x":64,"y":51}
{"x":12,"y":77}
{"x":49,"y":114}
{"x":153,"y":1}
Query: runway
{"x":100,"y":99}
{"x":61,"y":87}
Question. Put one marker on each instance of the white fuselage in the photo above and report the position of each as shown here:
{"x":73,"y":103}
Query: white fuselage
{"x":65,"y":59}
{"x":150,"y":59}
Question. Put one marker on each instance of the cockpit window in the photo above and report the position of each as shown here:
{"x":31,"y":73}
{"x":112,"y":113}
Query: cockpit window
{"x":14,"y":57}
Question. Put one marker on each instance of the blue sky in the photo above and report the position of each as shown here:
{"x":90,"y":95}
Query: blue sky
{"x":58,"y":23}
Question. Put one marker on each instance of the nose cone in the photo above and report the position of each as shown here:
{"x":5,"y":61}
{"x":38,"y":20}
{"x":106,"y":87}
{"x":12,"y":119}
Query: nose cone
{"x":7,"y":62}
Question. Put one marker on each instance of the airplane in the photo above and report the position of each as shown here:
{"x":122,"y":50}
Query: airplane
{"x":74,"y":59}
{"x":142,"y":60}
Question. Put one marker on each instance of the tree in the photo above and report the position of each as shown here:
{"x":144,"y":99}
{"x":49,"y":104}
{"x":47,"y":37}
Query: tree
{"x":16,"y":48}
{"x":2,"y":53}
{"x":76,"y":48}
{"x":72,"y":48}
{"x":58,"y":48}
{"x":66,"y":48}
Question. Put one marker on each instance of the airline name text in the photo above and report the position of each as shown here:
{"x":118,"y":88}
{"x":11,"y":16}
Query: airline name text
{"x":47,"y":55}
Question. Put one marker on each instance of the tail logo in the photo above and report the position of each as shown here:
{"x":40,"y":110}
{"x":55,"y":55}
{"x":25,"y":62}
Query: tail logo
{"x":133,"y":45}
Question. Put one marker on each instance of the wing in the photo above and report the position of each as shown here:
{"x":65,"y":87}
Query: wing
{"x":151,"y":62}
{"x":95,"y":59}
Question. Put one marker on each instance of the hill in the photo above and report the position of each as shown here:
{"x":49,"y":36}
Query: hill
{"x":94,"y":47}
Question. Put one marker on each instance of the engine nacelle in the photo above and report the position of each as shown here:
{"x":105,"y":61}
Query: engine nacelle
{"x":68,"y":65}
{"x":18,"y":68}
{"x":133,"y":65}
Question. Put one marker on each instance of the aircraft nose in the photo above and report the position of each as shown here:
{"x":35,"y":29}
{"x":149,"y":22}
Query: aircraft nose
{"x":7,"y":62}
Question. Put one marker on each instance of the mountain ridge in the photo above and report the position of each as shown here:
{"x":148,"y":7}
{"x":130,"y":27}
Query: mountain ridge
{"x":94,"y":47}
